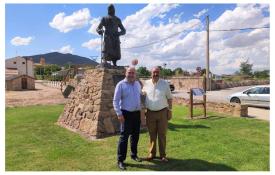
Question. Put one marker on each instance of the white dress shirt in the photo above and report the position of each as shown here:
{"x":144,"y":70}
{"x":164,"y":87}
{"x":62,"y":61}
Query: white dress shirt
{"x":157,"y":94}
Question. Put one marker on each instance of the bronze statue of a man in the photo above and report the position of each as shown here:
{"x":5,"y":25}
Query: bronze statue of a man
{"x":111,"y":42}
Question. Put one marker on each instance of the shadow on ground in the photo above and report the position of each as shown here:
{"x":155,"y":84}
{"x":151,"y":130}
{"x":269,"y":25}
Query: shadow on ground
{"x":182,"y":165}
{"x":214,"y":117}
{"x":174,"y":127}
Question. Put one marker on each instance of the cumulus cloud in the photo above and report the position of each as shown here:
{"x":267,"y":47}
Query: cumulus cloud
{"x":66,"y":49}
{"x":77,"y":20}
{"x":187,"y":49}
{"x":21,"y":41}
{"x":176,"y":18}
{"x":93,"y":44}
{"x":140,"y":32}
{"x":94,"y":23}
{"x":200,"y":13}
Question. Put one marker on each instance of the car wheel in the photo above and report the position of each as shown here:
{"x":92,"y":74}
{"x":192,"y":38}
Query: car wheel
{"x":235,"y":100}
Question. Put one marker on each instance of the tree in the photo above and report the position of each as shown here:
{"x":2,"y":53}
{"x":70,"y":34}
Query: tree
{"x":261,"y":74}
{"x":186,"y":73}
{"x":166,"y":72}
{"x":46,"y":69}
{"x":68,"y":65}
{"x":143,"y":72}
{"x":178,"y":71}
{"x":236,"y":73}
{"x":246,"y":68}
{"x":39,"y":70}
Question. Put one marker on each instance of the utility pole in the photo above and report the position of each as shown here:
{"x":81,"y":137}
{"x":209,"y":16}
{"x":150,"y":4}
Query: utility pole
{"x":207,"y":54}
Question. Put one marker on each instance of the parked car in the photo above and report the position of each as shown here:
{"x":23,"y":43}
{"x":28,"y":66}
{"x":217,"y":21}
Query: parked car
{"x":255,"y":96}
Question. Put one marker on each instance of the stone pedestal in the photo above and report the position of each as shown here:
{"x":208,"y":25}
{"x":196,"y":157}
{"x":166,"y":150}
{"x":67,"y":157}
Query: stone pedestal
{"x":90,"y":111}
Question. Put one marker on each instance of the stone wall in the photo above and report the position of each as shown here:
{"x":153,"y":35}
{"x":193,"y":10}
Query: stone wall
{"x":224,"y":85}
{"x":185,"y":83}
{"x":231,"y":109}
{"x":90,"y":111}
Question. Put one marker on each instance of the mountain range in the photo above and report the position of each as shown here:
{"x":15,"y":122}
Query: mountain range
{"x":62,"y":59}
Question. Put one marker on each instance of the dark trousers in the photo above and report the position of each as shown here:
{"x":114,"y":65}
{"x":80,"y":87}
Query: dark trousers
{"x":130,"y":127}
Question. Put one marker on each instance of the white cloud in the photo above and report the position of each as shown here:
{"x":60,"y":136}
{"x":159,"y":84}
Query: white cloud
{"x":187,"y":50}
{"x":93,"y":44}
{"x":247,"y":38}
{"x":76,"y":20}
{"x":66,"y":49}
{"x":176,"y":18}
{"x":94,"y":23}
{"x":21,"y":41}
{"x":141,"y":30}
{"x":200,"y":13}
{"x":244,"y":15}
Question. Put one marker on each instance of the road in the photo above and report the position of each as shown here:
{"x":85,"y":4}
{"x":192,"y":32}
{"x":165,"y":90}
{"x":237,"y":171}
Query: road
{"x":221,"y":96}
{"x":214,"y":96}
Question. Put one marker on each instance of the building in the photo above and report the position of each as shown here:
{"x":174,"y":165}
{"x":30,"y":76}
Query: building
{"x":20,"y":82}
{"x":19,"y":74}
{"x":42,"y":62}
{"x":24,"y":66}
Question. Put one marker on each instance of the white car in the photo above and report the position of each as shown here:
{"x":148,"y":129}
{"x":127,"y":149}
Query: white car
{"x":255,"y":96}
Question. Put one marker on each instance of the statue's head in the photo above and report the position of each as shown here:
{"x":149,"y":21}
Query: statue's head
{"x":111,"y":10}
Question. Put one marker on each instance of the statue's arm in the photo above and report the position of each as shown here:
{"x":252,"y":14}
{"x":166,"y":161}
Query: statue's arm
{"x":122,"y":29}
{"x":99,"y":29}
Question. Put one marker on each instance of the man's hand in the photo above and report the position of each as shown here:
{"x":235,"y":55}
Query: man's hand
{"x":121,"y":118}
{"x":169,"y":115}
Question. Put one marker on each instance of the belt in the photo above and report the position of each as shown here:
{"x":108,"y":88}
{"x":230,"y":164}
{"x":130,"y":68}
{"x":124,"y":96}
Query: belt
{"x":130,"y":111}
{"x":157,"y":111}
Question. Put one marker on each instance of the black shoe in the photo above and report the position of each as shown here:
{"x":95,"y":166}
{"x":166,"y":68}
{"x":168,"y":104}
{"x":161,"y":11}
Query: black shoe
{"x":121,"y":165}
{"x":137,"y":159}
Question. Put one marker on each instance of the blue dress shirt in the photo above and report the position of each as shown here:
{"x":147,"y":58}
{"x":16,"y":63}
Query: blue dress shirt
{"x":127,"y":96}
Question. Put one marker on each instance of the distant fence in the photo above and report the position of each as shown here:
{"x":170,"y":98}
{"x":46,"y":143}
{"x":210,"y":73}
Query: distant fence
{"x":53,"y":84}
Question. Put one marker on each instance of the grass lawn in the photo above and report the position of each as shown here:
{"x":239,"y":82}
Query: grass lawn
{"x":34,"y":142}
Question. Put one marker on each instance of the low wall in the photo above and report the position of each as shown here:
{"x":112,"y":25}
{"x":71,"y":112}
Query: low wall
{"x":225,"y":85}
{"x":231,"y":109}
{"x":185,"y":83}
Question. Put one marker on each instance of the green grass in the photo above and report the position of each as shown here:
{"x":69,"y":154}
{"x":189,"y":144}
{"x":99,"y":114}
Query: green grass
{"x":35,"y":142}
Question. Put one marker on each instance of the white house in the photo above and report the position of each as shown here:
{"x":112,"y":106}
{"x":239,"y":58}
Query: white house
{"x":23,"y":66}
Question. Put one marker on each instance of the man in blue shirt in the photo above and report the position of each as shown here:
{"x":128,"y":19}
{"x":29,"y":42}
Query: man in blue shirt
{"x":126,"y":103}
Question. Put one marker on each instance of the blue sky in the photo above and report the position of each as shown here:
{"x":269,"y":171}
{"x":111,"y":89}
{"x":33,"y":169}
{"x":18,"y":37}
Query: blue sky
{"x":32,"y":22}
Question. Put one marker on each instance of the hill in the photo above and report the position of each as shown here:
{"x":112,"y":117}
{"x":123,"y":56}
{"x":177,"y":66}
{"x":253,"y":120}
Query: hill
{"x":62,"y":59}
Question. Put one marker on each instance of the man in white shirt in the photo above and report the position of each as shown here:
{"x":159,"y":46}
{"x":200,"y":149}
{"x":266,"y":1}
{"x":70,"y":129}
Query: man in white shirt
{"x":159,"y":110}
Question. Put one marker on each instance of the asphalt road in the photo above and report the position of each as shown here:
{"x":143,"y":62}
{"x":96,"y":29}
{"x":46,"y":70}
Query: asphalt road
{"x":222,"y":95}
{"x":214,"y":96}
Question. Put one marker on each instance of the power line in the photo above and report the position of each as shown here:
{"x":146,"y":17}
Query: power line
{"x":212,"y":30}
{"x":238,"y":29}
{"x":163,"y":39}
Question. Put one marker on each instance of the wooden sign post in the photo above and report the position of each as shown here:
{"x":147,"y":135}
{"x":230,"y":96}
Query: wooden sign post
{"x":198,"y":92}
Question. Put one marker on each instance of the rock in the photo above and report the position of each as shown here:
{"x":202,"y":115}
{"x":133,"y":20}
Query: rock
{"x":90,"y":109}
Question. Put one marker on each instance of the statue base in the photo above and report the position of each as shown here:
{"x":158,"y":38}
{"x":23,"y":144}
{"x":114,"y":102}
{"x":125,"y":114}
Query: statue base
{"x":90,"y":111}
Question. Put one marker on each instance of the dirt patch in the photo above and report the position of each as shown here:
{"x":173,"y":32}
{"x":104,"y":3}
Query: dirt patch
{"x":42,"y":95}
